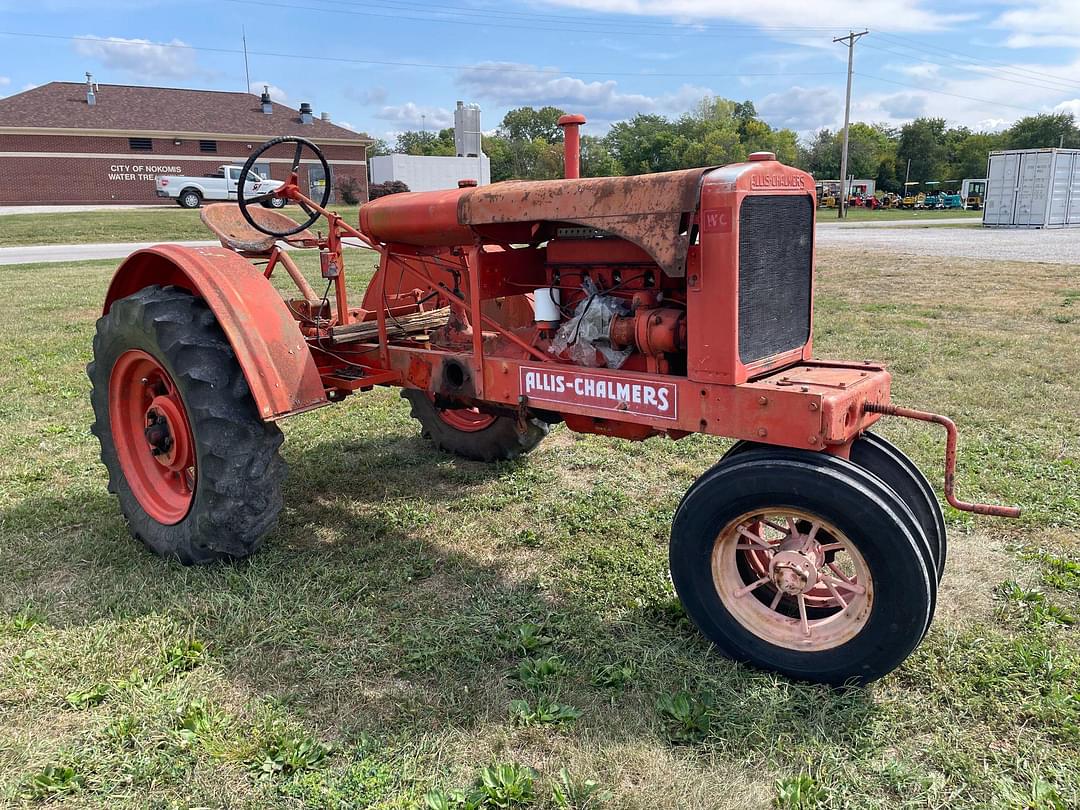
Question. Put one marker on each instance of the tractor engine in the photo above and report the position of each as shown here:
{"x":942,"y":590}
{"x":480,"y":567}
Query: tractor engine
{"x":705,"y":274}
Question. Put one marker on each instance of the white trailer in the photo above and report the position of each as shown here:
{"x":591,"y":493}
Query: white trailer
{"x":1033,"y":188}
{"x":430,"y":173}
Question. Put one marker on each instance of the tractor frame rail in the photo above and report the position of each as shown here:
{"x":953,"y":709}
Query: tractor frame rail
{"x":950,"y":458}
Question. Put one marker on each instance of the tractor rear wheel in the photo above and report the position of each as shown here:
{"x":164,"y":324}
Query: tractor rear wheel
{"x":197,"y":472}
{"x":473,"y":434}
{"x":804,"y":564}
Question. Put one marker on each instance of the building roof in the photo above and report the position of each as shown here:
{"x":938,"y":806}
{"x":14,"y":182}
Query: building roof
{"x":130,"y":108}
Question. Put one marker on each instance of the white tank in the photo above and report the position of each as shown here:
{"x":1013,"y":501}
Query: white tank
{"x":467,"y":130}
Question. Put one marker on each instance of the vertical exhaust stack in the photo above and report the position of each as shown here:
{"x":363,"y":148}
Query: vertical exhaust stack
{"x":264,"y":100}
{"x":306,"y":115}
{"x":91,"y":96}
{"x":571,"y":145}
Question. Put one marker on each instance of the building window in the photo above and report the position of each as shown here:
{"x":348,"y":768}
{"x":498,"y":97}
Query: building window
{"x":208,"y":146}
{"x":141,"y":144}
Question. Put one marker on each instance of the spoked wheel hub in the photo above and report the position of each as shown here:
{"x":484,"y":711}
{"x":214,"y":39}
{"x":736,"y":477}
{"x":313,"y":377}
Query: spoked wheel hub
{"x":792,"y":579}
{"x":153,"y":436}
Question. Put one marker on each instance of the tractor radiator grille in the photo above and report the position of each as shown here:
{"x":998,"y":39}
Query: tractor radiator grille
{"x":776,"y":238}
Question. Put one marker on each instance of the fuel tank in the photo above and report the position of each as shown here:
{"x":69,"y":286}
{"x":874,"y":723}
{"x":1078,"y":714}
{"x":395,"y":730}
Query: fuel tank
{"x":425,"y":218}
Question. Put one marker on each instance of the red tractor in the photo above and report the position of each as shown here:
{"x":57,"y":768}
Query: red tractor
{"x":654,"y":305}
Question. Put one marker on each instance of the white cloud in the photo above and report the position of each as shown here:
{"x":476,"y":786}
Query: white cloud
{"x":276,"y":93}
{"x":367,"y":95}
{"x":992,"y":124}
{"x":140,"y":57}
{"x":513,"y":84}
{"x":1041,"y":24}
{"x":4,"y":81}
{"x":413,"y":116}
{"x":895,"y":15}
{"x":801,"y":108}
{"x":920,"y":70}
{"x":901,"y":106}
{"x":1070,"y":106}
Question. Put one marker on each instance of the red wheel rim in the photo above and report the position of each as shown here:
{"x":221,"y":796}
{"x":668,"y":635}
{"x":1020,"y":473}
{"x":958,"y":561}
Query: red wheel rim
{"x":467,"y":420}
{"x":152,"y":436}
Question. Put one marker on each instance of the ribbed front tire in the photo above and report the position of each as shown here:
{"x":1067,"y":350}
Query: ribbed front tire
{"x":803,"y":564}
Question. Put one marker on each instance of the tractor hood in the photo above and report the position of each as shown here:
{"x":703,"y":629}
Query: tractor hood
{"x":653,"y":211}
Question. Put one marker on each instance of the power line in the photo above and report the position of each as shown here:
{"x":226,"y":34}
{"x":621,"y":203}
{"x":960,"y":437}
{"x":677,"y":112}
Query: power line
{"x":944,"y":93}
{"x":472,"y":23}
{"x":986,"y":72}
{"x":484,"y":11}
{"x":902,"y":41}
{"x":497,"y":68}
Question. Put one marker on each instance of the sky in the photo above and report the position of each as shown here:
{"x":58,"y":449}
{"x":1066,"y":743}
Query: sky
{"x":383,"y":66}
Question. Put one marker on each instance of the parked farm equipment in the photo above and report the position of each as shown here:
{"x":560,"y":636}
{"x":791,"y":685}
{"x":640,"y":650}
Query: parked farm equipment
{"x":655,"y":305}
{"x":972,"y":192}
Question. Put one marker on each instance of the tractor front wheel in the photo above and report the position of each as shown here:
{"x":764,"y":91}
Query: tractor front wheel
{"x":803,"y":564}
{"x":473,"y":434}
{"x":197,"y":472}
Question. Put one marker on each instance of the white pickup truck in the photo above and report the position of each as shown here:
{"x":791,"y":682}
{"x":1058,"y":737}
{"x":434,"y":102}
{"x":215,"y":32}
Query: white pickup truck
{"x":189,"y":192}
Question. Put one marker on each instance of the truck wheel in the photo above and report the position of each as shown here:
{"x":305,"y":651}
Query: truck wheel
{"x":473,"y":434}
{"x":275,"y":202}
{"x":801,"y":563}
{"x":888,"y":462}
{"x":189,"y":198}
{"x":197,"y":472}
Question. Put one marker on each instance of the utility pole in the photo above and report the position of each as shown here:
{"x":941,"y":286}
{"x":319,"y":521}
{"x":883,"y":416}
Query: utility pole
{"x":850,"y":39}
{"x":247,"y":72}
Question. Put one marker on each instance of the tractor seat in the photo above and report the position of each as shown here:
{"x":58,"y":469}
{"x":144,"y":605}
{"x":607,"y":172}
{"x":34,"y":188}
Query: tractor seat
{"x":229,"y":225}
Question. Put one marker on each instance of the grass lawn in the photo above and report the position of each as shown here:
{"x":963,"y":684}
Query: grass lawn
{"x":122,"y":225}
{"x":416,"y":619}
{"x":856,"y":214}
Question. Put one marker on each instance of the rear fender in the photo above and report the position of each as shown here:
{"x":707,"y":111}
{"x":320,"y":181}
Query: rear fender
{"x":277,"y":363}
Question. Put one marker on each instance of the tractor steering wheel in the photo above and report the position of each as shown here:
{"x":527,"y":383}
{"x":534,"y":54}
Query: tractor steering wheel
{"x":244,"y":202}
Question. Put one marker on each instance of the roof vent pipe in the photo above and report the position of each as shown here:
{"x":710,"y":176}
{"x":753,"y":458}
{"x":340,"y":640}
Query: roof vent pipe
{"x":306,"y":116}
{"x":91,"y":96}
{"x":264,"y":99}
{"x":325,"y":117}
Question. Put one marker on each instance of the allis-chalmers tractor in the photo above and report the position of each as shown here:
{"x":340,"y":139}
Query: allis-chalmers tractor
{"x":655,"y":305}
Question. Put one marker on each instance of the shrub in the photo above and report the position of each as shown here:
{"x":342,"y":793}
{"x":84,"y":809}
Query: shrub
{"x":350,"y":190}
{"x":376,"y":190}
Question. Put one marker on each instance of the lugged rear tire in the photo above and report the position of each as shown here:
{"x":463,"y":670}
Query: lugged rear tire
{"x":870,"y":637}
{"x":488,"y":438}
{"x":233,"y":492}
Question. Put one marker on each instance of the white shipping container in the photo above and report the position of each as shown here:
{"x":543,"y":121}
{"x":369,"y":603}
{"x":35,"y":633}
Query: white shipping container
{"x":1033,"y":188}
{"x":428,"y":173}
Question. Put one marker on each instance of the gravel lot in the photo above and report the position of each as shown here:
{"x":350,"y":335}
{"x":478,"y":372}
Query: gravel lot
{"x":1054,"y":246}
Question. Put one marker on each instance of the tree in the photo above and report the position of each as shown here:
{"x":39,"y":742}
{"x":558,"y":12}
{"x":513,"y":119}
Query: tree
{"x":528,"y":124}
{"x":426,"y":143}
{"x":1043,"y":131}
{"x":596,"y":158}
{"x":642,"y":144}
{"x":821,"y":157}
{"x":923,"y":142}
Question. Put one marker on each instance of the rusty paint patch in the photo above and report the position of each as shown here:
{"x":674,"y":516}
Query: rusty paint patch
{"x":649,"y":210}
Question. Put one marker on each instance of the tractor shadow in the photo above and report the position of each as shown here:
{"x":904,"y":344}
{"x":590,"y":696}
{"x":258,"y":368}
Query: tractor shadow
{"x":356,"y":618}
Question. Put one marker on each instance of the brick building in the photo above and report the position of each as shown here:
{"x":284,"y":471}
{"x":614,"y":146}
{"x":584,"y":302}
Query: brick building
{"x":70,"y":142}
